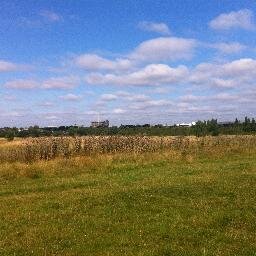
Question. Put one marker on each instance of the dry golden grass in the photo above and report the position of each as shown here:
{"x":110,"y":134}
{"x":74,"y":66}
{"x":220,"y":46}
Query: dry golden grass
{"x":15,"y":142}
{"x":35,"y":149}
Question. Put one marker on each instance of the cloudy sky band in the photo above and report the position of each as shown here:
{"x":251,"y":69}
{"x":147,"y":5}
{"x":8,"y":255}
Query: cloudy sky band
{"x":160,"y":75}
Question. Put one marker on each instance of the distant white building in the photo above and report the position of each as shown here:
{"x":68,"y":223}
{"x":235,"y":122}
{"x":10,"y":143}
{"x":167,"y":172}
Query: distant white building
{"x":186,"y":124}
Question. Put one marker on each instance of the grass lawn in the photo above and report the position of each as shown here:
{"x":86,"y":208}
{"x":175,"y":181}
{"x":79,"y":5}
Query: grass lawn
{"x":152,"y":204}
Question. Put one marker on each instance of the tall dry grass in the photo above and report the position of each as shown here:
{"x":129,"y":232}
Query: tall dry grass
{"x":34,"y":149}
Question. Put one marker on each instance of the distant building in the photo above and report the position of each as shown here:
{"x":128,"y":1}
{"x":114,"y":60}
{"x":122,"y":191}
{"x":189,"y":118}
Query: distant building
{"x":100,"y":124}
{"x":186,"y":124}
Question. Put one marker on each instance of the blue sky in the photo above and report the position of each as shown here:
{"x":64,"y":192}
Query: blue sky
{"x":65,"y":62}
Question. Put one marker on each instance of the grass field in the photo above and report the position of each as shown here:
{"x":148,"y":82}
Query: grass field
{"x":161,"y":203}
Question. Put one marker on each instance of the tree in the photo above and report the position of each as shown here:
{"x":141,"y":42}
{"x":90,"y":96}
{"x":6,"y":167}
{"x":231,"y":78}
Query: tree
{"x":10,"y":135}
{"x":213,"y":127}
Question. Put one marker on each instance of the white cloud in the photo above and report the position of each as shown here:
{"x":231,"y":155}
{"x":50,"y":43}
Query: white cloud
{"x":46,"y":104}
{"x":160,"y":28}
{"x":231,"y":74}
{"x":21,"y":84}
{"x":191,"y":98}
{"x":222,"y":83}
{"x":164,"y":49}
{"x":160,"y":49}
{"x":127,"y":102}
{"x":124,"y":97}
{"x":137,"y":98}
{"x":159,"y":90}
{"x":50,"y":16}
{"x":51,"y":117}
{"x":12,"y":114}
{"x":151,"y":104}
{"x":67,"y":82}
{"x":119,"y":111}
{"x":240,"y":19}
{"x":91,"y":113}
{"x":10,"y":98}
{"x":6,"y":66}
{"x":95,"y":62}
{"x":154,"y":74}
{"x":108,"y":97}
{"x":71,"y":97}
{"x":218,"y":97}
{"x":225,"y":97}
{"x":237,"y":73}
{"x":229,"y":48}
{"x":243,"y":67}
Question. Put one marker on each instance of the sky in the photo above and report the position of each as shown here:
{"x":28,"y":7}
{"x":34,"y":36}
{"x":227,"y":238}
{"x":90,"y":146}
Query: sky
{"x":65,"y":62}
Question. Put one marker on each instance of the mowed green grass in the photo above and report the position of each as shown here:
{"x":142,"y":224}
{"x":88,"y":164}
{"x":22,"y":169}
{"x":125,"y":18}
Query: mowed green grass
{"x":152,"y":204}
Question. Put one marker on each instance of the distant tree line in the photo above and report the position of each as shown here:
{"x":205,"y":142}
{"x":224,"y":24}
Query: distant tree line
{"x":201,"y":128}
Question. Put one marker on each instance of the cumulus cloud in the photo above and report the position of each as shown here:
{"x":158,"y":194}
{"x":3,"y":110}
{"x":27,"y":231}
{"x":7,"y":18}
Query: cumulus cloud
{"x":160,"y":49}
{"x":164,"y":49}
{"x":222,"y":83}
{"x":67,"y":82}
{"x":220,"y":105}
{"x":124,"y":97}
{"x":46,"y":104}
{"x":21,"y":84}
{"x":160,"y":28}
{"x":190,"y":98}
{"x":237,"y":73}
{"x":154,"y":74}
{"x":96,"y":62}
{"x":133,"y":97}
{"x":210,"y":78}
{"x":151,"y":104}
{"x":228,"y":48}
{"x":159,"y":90}
{"x":108,"y":97}
{"x":128,"y":102}
{"x":12,"y":114}
{"x":225,"y":97}
{"x":240,"y":19}
{"x":71,"y":97}
{"x":6,"y":66}
{"x":218,"y":97}
{"x":243,"y":67}
{"x":231,"y":74}
{"x":119,"y":111}
{"x":51,"y":117}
